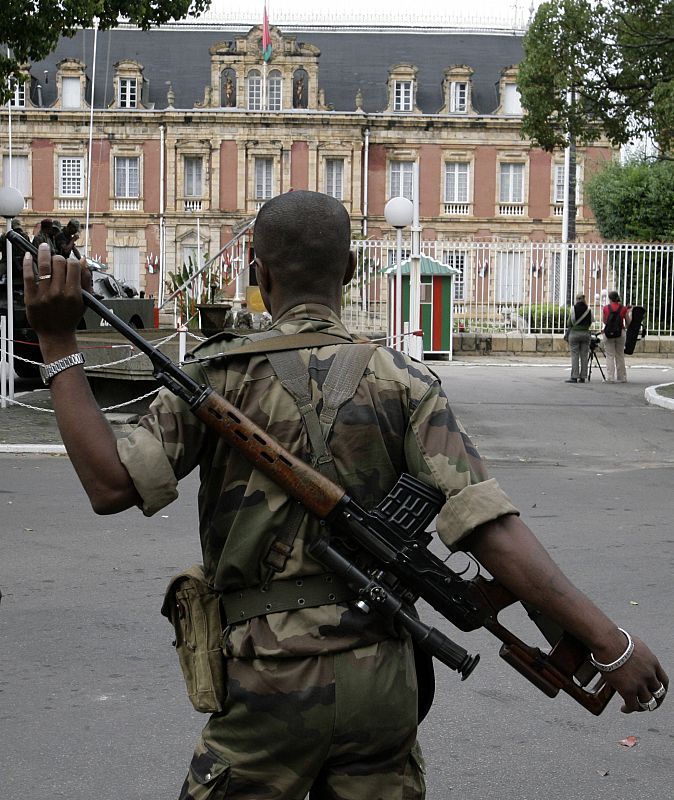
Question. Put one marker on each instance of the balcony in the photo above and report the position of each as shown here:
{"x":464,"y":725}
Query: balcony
{"x":193,"y":206}
{"x":457,"y":209}
{"x":511,"y":210}
{"x":70,"y":203}
{"x":558,"y":210}
{"x":126,"y":204}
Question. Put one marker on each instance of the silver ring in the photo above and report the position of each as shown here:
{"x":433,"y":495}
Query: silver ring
{"x":651,"y":705}
{"x":660,"y":692}
{"x":43,"y":277}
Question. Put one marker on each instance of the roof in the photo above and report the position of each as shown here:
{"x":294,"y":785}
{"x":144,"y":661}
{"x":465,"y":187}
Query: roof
{"x":349,"y":60}
{"x":428,"y":266}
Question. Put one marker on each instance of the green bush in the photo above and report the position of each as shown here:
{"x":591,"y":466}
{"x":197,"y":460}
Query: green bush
{"x":545,"y":318}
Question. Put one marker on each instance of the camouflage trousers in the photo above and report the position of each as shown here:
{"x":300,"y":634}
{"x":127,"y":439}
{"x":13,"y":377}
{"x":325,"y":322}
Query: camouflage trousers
{"x":333,"y":727}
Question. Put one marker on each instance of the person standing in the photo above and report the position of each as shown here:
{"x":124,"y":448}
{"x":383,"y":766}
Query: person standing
{"x":616,"y":317}
{"x":305,"y":682}
{"x":44,"y":236}
{"x":578,"y":337}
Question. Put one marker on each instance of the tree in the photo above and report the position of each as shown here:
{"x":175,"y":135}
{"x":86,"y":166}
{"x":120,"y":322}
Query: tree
{"x":31,"y":28}
{"x":618,"y":58}
{"x":634,"y":201}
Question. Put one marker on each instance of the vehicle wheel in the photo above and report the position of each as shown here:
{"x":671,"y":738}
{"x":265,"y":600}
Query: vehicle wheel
{"x":136,"y":322}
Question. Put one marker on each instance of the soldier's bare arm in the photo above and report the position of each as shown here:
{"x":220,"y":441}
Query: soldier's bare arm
{"x":54,"y":306}
{"x":515,"y":557}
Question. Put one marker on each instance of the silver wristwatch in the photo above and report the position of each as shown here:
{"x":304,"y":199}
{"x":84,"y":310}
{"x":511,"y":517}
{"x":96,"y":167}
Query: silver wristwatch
{"x":48,"y":371}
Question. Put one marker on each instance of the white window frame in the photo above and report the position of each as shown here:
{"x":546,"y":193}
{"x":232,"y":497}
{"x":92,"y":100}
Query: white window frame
{"x":509,"y":277}
{"x":275,"y":91}
{"x":401,"y":178}
{"x":254,"y":90}
{"x":508,"y":170}
{"x":334,"y":177}
{"x":456,"y":190}
{"x":18,"y":99}
{"x":128,"y":92}
{"x":20,"y":173}
{"x":69,"y":93}
{"x":403,"y":95}
{"x":264,"y":178}
{"x":126,"y":265}
{"x":457,"y":259}
{"x":127,"y":184}
{"x":512,"y":103}
{"x":558,"y":183}
{"x":458,"y":97}
{"x":71,"y":170}
{"x":193,"y":171}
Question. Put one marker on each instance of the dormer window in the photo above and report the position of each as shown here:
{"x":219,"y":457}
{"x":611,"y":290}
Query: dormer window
{"x":509,"y":93}
{"x":403,"y":96}
{"x":71,"y":93}
{"x":456,"y":90}
{"x":130,"y":86}
{"x":458,"y":98}
{"x":128,"y":93}
{"x":402,"y":89}
{"x":18,"y":99}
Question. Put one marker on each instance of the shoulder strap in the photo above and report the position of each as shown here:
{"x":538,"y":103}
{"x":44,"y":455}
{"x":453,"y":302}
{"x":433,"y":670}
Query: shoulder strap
{"x":273,"y":341}
{"x":339,"y":386}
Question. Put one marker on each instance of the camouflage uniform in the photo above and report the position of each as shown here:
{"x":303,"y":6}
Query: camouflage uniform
{"x":306,"y":687}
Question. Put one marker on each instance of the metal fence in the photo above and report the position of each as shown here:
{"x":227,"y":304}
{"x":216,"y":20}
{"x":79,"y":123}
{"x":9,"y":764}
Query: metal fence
{"x":522,"y":286}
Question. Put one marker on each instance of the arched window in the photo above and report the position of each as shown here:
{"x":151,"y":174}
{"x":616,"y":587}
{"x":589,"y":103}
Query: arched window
{"x":274,"y":91}
{"x":228,"y":84}
{"x":254,"y":90}
{"x":300,"y":88}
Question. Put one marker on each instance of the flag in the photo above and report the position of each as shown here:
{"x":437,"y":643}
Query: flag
{"x":266,"y":39}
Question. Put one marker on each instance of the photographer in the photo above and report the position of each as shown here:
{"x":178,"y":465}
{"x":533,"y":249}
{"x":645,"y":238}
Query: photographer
{"x":616,"y":318}
{"x":578,"y":336}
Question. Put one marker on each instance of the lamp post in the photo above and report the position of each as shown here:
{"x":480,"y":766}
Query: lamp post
{"x":399,"y":213}
{"x":11,"y":204}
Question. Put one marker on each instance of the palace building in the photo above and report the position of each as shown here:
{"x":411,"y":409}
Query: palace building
{"x":172,"y":138}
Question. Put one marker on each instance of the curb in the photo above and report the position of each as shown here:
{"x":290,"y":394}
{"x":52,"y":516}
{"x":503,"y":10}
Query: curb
{"x":653,"y":398}
{"x":43,"y":449}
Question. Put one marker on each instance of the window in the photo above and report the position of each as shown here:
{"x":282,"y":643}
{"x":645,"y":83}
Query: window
{"x":456,"y":182}
{"x":457,"y":259}
{"x":334,"y":177}
{"x":127,"y":176}
{"x":71,"y":177}
{"x":509,"y":278}
{"x":401,"y":179}
{"x":512,"y":183}
{"x":458,"y":97}
{"x":559,"y":184}
{"x":254,"y":90}
{"x":511,"y":99}
{"x":71,"y":93}
{"x":426,"y":289}
{"x":274,"y":91}
{"x":126,"y":265}
{"x":402,"y":96}
{"x":128,"y":93}
{"x":18,"y":99}
{"x":193,"y":176}
{"x":264,"y":174}
{"x":17,"y":176}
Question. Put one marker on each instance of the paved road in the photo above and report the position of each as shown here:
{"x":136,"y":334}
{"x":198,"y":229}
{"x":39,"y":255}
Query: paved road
{"x":91,"y":701}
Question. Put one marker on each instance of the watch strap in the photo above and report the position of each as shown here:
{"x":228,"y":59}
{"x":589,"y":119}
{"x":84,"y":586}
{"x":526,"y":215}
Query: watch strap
{"x":49,"y":371}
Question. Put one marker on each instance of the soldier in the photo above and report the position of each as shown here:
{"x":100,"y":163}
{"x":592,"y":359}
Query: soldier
{"x":244,"y":319}
{"x":44,"y":235}
{"x":305,"y":686}
{"x":64,"y":240}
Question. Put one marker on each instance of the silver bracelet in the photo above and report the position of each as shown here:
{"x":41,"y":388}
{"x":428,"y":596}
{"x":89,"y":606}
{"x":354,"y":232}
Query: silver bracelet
{"x":619,"y":661}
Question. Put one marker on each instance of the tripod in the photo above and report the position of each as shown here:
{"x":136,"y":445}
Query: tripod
{"x":594,"y":346}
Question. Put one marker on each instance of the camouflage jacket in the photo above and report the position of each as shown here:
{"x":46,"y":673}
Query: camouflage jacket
{"x":398,"y":420}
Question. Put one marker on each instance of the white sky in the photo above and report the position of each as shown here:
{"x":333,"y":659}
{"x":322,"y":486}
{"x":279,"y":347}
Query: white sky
{"x":448,"y":12}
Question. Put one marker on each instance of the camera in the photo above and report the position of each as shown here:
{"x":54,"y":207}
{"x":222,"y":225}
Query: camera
{"x":594,"y":342}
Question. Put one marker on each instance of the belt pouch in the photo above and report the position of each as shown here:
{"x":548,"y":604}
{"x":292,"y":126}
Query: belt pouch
{"x":193,"y":608}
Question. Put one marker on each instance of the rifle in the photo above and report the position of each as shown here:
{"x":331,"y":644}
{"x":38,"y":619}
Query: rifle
{"x":394,"y":537}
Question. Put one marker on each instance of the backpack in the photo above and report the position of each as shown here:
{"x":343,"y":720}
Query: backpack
{"x":614,"y":324}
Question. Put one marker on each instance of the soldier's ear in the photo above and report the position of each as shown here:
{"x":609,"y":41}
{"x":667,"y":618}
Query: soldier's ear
{"x":350,"y":269}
